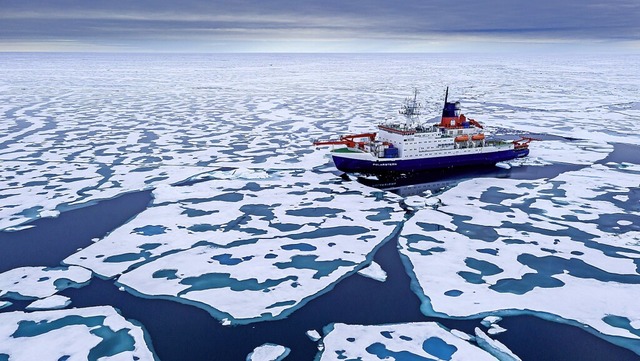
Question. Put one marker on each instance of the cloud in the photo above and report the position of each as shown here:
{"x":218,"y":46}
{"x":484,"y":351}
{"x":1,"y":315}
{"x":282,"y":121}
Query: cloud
{"x":254,"y":21}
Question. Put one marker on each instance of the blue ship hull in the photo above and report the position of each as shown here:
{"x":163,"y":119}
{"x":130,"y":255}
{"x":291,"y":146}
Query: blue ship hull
{"x":390,"y":165}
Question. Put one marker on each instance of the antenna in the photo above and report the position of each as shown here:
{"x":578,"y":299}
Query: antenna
{"x":411,"y":107}
{"x":446,"y":95}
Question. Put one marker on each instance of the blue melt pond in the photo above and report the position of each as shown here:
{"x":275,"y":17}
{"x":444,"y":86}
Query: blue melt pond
{"x":169,"y":274}
{"x":128,"y":257}
{"x":323,"y":268}
{"x":438,"y":348}
{"x":299,"y":247}
{"x":383,"y":353}
{"x":453,"y":293}
{"x":150,"y":230}
{"x":621,"y":322}
{"x":222,"y":280}
{"x":112,"y":343}
{"x":203,"y":228}
{"x":314,"y":212}
{"x":226,"y":259}
{"x":485,"y":268}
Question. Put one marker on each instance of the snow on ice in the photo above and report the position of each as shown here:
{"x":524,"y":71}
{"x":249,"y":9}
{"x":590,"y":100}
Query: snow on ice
{"x":268,"y":352}
{"x":50,"y":303}
{"x":580,"y":152}
{"x":490,"y":320}
{"x":76,"y":334}
{"x":424,"y":340}
{"x":4,"y":304}
{"x":374,"y":271}
{"x":313,"y":335}
{"x":115,"y":129}
{"x":41,"y":282}
{"x":512,"y":245}
{"x":494,"y":245}
{"x":494,"y":347}
{"x":247,"y":249}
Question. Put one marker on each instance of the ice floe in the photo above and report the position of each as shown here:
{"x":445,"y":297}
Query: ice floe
{"x":415,"y":202}
{"x":511,"y":246}
{"x":50,"y":303}
{"x":313,"y":335}
{"x":41,"y":282}
{"x":374,"y":271}
{"x":578,"y":152}
{"x":268,"y":352}
{"x":424,"y":340}
{"x":495,"y":329}
{"x":69,"y":146}
{"x":247,"y":249}
{"x":75,"y":334}
{"x":494,"y":347}
{"x":490,"y":320}
{"x":18,"y":228}
{"x":92,"y":139}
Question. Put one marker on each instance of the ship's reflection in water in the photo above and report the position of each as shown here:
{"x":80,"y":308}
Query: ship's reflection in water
{"x":434,"y":181}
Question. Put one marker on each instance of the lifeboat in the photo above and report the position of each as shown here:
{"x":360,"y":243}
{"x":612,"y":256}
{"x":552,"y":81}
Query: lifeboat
{"x":478,"y":137}
{"x":462,"y":138}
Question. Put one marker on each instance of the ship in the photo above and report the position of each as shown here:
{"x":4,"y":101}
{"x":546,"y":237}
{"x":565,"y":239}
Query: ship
{"x":404,"y":146}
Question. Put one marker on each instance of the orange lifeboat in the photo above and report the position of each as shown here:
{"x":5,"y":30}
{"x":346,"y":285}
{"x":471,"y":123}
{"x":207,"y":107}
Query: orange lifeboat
{"x":462,"y":138}
{"x":478,"y":137}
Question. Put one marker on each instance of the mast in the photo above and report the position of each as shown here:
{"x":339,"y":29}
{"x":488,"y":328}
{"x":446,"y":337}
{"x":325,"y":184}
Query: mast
{"x":411,"y":108}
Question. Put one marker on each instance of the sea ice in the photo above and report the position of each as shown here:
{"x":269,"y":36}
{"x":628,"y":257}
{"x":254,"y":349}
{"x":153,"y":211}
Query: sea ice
{"x":509,"y":246}
{"x":75,"y":334}
{"x":494,"y":347}
{"x":582,"y":152}
{"x":425,"y":340}
{"x":40,"y":282}
{"x":268,"y":352}
{"x":100,"y":136}
{"x":490,"y":320}
{"x":50,"y":303}
{"x":415,"y":202}
{"x":462,"y":335}
{"x":52,"y":213}
{"x":374,"y":271}
{"x":18,"y":228}
{"x":247,"y":249}
{"x":313,"y":335}
{"x":496,"y":329}
{"x":575,"y":152}
{"x":90,"y":139}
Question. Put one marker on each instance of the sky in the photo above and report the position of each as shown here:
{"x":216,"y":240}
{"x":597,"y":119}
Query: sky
{"x":320,"y":26}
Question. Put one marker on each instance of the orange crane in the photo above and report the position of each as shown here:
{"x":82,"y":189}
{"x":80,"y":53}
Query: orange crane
{"x":348,"y":140}
{"x":523,"y":142}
